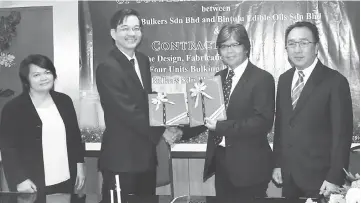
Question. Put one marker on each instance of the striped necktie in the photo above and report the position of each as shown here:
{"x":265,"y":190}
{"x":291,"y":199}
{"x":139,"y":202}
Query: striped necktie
{"x":297,"y":88}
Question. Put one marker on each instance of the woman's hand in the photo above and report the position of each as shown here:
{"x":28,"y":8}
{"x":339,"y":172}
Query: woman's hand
{"x":27,"y":186}
{"x":80,"y":177}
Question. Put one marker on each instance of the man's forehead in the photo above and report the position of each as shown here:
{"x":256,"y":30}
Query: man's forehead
{"x":129,"y":20}
{"x":296,"y":38}
{"x":300,"y":33}
{"x":230,"y":40}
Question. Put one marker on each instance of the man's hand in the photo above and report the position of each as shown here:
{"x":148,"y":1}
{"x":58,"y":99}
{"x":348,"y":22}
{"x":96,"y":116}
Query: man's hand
{"x":27,"y":186}
{"x":211,"y":124}
{"x":327,"y":188}
{"x":178,"y":133}
{"x":80,"y":177}
{"x":27,"y":198}
{"x":172,"y":135}
{"x":350,"y":177}
{"x":277,"y":176}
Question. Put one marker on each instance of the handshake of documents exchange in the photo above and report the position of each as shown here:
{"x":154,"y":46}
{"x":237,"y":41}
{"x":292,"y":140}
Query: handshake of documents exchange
{"x":172,"y":135}
{"x":201,"y":100}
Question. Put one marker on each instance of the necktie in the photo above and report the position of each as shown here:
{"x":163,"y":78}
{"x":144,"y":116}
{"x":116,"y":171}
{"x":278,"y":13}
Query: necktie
{"x":132,"y":62}
{"x":297,"y":88}
{"x":137,"y":71}
{"x":227,"y":85}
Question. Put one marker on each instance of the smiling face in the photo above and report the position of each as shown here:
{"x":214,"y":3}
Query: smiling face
{"x":233,"y":53}
{"x":128,"y":34}
{"x":40,"y":79}
{"x":301,"y":57}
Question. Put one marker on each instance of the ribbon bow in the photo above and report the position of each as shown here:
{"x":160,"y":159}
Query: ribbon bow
{"x":198,"y":90}
{"x":160,"y":99}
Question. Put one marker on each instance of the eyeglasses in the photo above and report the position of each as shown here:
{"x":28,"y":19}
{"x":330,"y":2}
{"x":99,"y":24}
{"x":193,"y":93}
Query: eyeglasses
{"x":302,"y":43}
{"x":232,"y":46}
{"x":127,"y":29}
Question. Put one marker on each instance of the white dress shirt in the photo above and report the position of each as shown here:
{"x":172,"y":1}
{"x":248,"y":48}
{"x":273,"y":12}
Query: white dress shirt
{"x":307,"y":72}
{"x":238,"y":72}
{"x":136,"y":66}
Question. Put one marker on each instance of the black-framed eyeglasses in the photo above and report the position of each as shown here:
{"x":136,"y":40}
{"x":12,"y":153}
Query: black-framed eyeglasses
{"x":127,"y":29}
{"x":302,"y":43}
{"x":232,"y":46}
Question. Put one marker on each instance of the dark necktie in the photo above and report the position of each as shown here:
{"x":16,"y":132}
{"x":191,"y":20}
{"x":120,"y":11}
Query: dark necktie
{"x":138,"y":74}
{"x":132,"y":62}
{"x":297,"y":89}
{"x":227,"y":85}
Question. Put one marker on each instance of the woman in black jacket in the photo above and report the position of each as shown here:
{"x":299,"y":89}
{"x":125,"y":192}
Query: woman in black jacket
{"x":40,"y":139}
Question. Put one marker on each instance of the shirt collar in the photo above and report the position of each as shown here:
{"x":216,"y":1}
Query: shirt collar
{"x":128,"y":57}
{"x":307,"y":71}
{"x":239,"y":69}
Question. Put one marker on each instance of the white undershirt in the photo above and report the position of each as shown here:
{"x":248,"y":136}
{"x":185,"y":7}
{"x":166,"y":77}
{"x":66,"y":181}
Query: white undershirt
{"x":55,"y":153}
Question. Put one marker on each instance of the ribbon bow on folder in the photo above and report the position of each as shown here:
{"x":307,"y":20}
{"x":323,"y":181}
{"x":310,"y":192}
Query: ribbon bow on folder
{"x":160,"y":99}
{"x":198,"y":90}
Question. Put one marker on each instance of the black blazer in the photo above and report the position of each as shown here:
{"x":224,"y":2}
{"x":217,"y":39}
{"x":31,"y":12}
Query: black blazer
{"x":250,"y":115}
{"x":21,"y":139}
{"x":129,"y":143}
{"x":312,"y":142}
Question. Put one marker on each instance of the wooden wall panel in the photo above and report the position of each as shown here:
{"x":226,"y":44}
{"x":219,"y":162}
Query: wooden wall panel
{"x":180,"y":177}
{"x":196,"y":184}
{"x":92,"y":183}
{"x":164,"y":190}
{"x":94,"y":179}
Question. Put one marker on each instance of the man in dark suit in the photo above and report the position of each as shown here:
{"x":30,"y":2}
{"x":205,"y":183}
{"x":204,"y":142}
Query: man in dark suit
{"x":313,"y":127}
{"x":123,"y":82}
{"x":238,"y":152}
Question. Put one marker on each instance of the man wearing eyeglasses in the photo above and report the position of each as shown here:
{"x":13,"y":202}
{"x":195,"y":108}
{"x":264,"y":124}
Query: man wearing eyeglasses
{"x":313,"y":126}
{"x":124,"y":82}
{"x":238,"y":152}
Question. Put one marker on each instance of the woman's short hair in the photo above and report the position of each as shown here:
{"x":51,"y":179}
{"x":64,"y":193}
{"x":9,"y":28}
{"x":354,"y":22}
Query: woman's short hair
{"x":238,"y":32}
{"x":38,"y":60}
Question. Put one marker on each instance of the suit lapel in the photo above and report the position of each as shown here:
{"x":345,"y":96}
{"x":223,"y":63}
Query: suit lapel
{"x":143,"y":72}
{"x":126,"y":66}
{"x":62,"y":108}
{"x":223,"y":75}
{"x":288,"y":89}
{"x":315,"y":79}
{"x":29,"y":106}
{"x":239,"y":86}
